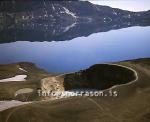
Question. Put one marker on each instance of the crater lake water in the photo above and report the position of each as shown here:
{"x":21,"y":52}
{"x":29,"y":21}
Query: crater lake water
{"x":81,"y":52}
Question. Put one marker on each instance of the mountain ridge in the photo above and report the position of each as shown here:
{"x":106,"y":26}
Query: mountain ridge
{"x":57,"y":18}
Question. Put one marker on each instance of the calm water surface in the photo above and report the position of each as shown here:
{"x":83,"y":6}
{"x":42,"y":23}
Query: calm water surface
{"x":81,"y":52}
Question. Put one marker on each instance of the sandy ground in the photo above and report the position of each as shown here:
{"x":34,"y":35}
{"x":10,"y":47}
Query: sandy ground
{"x":9,"y":104}
{"x":15,"y":78}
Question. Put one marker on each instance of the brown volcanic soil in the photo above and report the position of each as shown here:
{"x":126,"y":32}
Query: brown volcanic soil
{"x":131,"y":105}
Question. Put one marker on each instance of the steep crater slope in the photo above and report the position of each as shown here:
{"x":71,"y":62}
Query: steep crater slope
{"x":100,"y":76}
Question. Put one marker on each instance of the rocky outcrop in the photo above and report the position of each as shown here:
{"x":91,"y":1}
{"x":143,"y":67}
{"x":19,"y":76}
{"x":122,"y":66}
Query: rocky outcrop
{"x":50,"y":87}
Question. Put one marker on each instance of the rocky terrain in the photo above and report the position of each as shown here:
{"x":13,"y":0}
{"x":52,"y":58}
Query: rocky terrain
{"x":62,"y":20}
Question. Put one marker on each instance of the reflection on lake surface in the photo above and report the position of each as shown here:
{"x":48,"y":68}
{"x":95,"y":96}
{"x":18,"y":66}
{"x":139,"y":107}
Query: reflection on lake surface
{"x":81,"y":52}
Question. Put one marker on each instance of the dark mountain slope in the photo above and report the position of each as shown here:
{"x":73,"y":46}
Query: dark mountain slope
{"x":62,"y":20}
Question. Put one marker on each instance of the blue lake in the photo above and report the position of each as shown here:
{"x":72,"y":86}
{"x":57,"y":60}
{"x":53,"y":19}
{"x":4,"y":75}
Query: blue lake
{"x":82,"y":52}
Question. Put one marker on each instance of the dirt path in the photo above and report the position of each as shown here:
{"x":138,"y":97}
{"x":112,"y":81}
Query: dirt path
{"x":15,"y":109}
{"x":102,"y":109}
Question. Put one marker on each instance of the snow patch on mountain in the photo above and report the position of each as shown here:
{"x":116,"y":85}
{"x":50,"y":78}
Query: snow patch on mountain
{"x":69,"y":12}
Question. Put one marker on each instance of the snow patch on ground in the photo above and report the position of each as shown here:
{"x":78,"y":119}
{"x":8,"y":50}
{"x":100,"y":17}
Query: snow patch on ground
{"x":22,"y":69}
{"x":114,"y":12}
{"x":15,"y":78}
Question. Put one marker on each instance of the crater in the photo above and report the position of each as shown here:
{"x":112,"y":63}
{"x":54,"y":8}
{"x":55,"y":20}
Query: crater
{"x":100,"y":77}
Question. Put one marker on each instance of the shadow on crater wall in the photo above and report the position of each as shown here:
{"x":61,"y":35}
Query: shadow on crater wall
{"x":100,"y":76}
